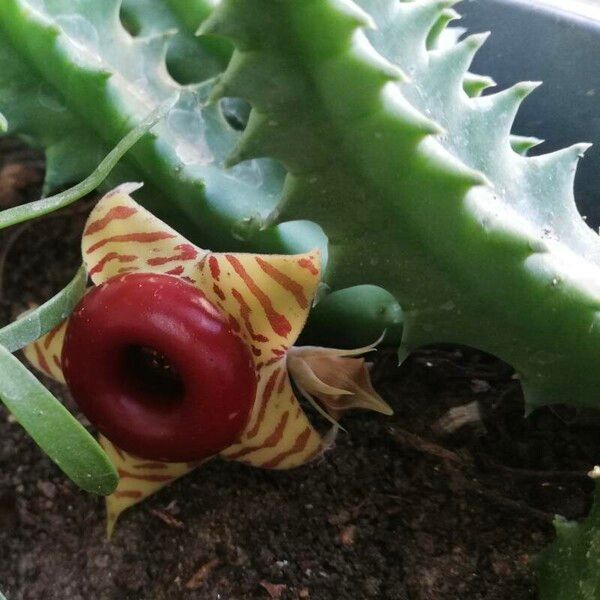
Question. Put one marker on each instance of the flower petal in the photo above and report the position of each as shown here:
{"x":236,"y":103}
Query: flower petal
{"x":138,"y":479}
{"x":45,"y":354}
{"x":278,"y":434}
{"x":339,"y":383}
{"x":268,"y":297}
{"x":121,"y":237}
{"x":352,"y":375}
{"x":305,"y":377}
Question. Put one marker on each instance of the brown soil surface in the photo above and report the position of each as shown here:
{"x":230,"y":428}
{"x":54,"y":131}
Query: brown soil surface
{"x":394,"y":511}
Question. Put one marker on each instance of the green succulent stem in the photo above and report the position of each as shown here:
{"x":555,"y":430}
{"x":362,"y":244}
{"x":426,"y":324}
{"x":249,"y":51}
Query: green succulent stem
{"x":180,"y":163}
{"x":426,"y":219}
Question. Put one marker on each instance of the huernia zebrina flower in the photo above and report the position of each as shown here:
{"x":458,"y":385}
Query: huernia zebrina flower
{"x":265,"y":301}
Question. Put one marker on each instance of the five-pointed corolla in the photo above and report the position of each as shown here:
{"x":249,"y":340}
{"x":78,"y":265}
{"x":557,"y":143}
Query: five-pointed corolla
{"x":179,"y":354}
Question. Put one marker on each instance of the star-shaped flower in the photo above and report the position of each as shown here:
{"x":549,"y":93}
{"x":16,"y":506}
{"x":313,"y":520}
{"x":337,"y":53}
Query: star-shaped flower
{"x":266,"y":300}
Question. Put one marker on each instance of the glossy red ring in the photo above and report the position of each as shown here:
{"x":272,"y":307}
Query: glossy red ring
{"x":201,"y":412}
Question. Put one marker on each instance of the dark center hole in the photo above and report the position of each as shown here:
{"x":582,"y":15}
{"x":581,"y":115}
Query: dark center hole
{"x":150,"y":372}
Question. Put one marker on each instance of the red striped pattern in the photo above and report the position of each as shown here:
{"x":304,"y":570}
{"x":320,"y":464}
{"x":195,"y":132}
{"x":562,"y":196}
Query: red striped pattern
{"x":280,"y":325}
{"x":122,"y":258}
{"x":264,"y":400}
{"x":215,"y":270}
{"x":49,"y":337}
{"x":307,"y":263}
{"x":43,"y":363}
{"x":142,"y":238}
{"x":151,"y":465}
{"x":134,"y":494}
{"x":218,"y":291}
{"x":271,"y":441}
{"x":138,"y":479}
{"x":299,"y":446}
{"x":187,"y":252}
{"x":245,"y":314}
{"x":115,"y":213}
{"x":287,"y":283}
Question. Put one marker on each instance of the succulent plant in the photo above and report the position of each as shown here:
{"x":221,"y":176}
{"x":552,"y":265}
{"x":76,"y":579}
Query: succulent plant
{"x":368,"y":139}
{"x":447,"y":218}
{"x":568,"y":568}
{"x":445,"y":214}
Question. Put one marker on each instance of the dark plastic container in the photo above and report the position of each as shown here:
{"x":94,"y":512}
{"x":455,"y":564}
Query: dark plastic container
{"x":531,"y":41}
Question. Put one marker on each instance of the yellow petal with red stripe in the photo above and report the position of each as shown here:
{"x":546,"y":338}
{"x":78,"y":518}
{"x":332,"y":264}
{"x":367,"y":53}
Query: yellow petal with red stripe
{"x":278,"y":434}
{"x":267,"y":297}
{"x":122,"y":237}
{"x":45,"y":354}
{"x":138,"y":479}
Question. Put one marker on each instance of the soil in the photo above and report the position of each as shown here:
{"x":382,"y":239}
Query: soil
{"x":399,"y":509}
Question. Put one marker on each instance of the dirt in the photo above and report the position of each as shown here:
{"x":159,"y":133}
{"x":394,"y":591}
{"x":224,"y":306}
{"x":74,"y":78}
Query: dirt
{"x":397,"y":510}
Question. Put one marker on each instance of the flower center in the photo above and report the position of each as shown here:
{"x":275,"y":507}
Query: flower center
{"x":148,"y":370}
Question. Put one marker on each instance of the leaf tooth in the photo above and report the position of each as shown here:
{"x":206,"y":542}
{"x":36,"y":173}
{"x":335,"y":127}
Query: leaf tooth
{"x":425,"y":14}
{"x":362,"y":50}
{"x":235,"y":20}
{"x":502,"y":107}
{"x":154,"y":48}
{"x":243,"y":22}
{"x":474,"y":85}
{"x":352,"y":13}
{"x":455,"y":171}
{"x":566,"y":157}
{"x":396,"y":104}
{"x":523,"y":144}
{"x":448,"y":15}
{"x":414,"y":22}
{"x":450,"y":65}
{"x":560,"y":167}
{"x":53,"y":30}
{"x":249,"y":75}
{"x":370,"y":74}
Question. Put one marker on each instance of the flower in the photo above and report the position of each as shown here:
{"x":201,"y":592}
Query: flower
{"x":266,"y":299}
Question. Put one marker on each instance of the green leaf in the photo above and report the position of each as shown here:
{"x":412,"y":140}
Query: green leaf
{"x":36,"y":209}
{"x":3,"y":128}
{"x":54,"y":429}
{"x":43,"y":319}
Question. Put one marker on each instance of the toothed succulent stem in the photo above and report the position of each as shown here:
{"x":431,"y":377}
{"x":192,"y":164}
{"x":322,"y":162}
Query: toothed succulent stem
{"x":437,"y":220}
